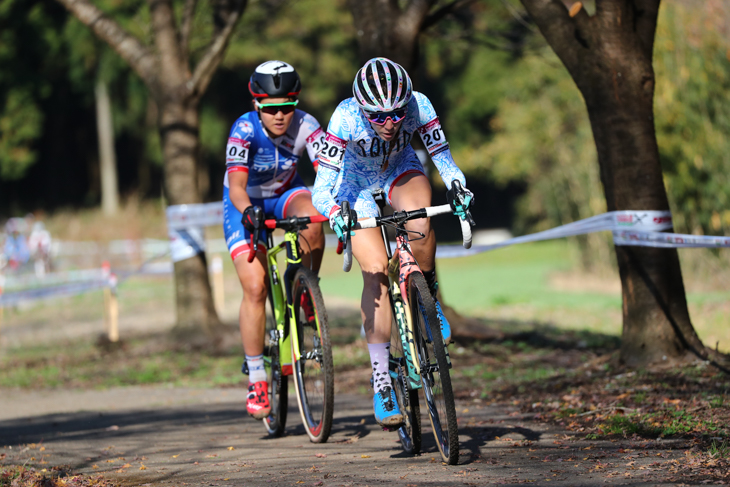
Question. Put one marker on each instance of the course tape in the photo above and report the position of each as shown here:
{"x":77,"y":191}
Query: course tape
{"x":632,"y":228}
{"x":68,"y":289}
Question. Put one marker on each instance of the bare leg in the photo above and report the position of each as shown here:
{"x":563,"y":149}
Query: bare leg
{"x":312,"y":238}
{"x":411,"y":193}
{"x":252,"y":316}
{"x":369,"y":250}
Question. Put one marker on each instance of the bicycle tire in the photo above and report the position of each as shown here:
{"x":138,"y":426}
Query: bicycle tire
{"x":275,"y":422}
{"x":410,"y":433}
{"x":434,"y":367}
{"x":314,"y":371}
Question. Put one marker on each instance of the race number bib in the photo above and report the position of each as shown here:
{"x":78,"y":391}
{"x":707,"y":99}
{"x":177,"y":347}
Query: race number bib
{"x":237,"y":151}
{"x":333,"y":150}
{"x":316,"y":140}
{"x":433,"y":137}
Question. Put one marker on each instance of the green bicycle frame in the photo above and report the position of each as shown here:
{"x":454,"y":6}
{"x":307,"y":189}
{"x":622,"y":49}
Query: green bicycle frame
{"x":283,"y":307}
{"x":278,"y":303}
{"x":282,"y":301}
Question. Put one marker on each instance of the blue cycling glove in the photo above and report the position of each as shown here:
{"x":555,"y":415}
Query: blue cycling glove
{"x":460,"y":201}
{"x":337,"y":223}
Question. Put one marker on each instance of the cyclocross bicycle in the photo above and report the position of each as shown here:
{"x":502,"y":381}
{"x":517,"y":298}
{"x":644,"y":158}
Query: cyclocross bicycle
{"x":419,"y":357}
{"x":297,"y":338}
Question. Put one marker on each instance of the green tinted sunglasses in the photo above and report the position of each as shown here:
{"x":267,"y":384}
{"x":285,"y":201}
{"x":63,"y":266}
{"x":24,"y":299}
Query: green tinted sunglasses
{"x":274,"y":108}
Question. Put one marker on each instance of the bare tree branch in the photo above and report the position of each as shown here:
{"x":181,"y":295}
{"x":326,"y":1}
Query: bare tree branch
{"x":214,"y":54}
{"x":646,"y":12}
{"x":186,"y":26}
{"x":561,"y":30}
{"x":442,"y":12}
{"x":173,"y":67}
{"x":139,"y":57}
{"x":411,"y":19}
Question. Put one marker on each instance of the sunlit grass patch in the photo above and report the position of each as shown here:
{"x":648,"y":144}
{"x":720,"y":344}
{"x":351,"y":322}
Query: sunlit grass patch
{"x":144,"y":360}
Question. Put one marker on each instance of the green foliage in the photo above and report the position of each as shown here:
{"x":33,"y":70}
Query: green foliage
{"x":28,"y":42}
{"x":20,"y":124}
{"x":542,"y":134}
{"x":692,"y":61}
{"x":316,"y":37}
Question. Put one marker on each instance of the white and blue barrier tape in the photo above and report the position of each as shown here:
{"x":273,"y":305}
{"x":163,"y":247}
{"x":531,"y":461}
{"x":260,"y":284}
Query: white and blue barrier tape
{"x":186,"y":223}
{"x":635,"y":228}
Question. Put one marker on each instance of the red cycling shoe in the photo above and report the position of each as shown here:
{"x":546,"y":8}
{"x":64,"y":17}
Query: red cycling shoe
{"x":257,"y":401}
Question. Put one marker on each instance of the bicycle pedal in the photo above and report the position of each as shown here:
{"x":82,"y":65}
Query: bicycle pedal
{"x":391,"y":429}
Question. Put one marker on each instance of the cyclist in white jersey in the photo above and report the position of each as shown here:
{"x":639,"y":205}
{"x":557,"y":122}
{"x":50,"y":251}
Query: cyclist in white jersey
{"x":367,"y":147}
{"x":263,"y":149}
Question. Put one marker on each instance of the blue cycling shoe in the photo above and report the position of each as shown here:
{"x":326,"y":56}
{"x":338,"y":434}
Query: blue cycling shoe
{"x":445,"y":327}
{"x":387,"y":412}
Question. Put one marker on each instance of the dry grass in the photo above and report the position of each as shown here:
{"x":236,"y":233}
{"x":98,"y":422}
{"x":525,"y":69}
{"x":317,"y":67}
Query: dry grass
{"x":136,"y":220}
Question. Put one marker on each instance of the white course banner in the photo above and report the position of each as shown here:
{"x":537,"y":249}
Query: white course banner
{"x":185,"y":227}
{"x":631,"y":228}
{"x":182,"y":217}
{"x":668,"y":240}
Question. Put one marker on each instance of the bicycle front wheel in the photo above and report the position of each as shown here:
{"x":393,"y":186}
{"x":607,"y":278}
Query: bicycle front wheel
{"x":313,"y":367}
{"x":434,"y":366}
{"x":410,"y":433}
{"x":275,"y":422}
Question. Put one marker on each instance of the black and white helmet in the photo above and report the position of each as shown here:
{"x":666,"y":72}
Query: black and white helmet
{"x":382,"y":85}
{"x":275,"y":79}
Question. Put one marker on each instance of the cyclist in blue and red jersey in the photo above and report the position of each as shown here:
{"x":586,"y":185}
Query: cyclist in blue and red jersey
{"x":367,"y":147}
{"x":263,"y":149}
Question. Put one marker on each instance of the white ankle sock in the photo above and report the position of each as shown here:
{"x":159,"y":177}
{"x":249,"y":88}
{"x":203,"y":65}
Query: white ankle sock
{"x":379,"y":358}
{"x":256,"y":370}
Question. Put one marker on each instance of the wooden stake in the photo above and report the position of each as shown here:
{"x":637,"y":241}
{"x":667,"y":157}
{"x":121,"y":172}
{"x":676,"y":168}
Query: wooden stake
{"x":111,"y":305}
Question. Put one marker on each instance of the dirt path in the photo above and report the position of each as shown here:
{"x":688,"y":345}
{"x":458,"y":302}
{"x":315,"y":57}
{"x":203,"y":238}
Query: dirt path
{"x":173,"y":436}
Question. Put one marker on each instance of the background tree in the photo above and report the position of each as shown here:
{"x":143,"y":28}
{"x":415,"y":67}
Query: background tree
{"x":609,"y":56}
{"x":165,"y":67}
{"x":392,"y":29}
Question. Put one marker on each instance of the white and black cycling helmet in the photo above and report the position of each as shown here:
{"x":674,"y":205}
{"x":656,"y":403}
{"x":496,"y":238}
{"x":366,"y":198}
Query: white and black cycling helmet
{"x":274,"y":79}
{"x":382,"y":85}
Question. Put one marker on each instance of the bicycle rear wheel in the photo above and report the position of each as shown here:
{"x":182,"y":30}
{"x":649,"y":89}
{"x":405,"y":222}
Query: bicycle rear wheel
{"x":434,"y":366}
{"x":314,"y":370}
{"x":275,"y":422}
{"x":410,"y":433}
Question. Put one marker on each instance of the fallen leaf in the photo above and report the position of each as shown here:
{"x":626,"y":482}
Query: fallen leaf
{"x":364,"y":456}
{"x":575,"y":8}
{"x":143,"y":467}
{"x":320,"y":455}
{"x":231,"y":448}
{"x":113,"y":428}
{"x":175,"y":456}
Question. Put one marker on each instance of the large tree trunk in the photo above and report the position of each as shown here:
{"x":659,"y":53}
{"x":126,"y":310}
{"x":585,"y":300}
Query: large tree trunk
{"x":619,"y":93}
{"x":179,"y":127}
{"x":176,"y":89}
{"x":609,"y":56}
